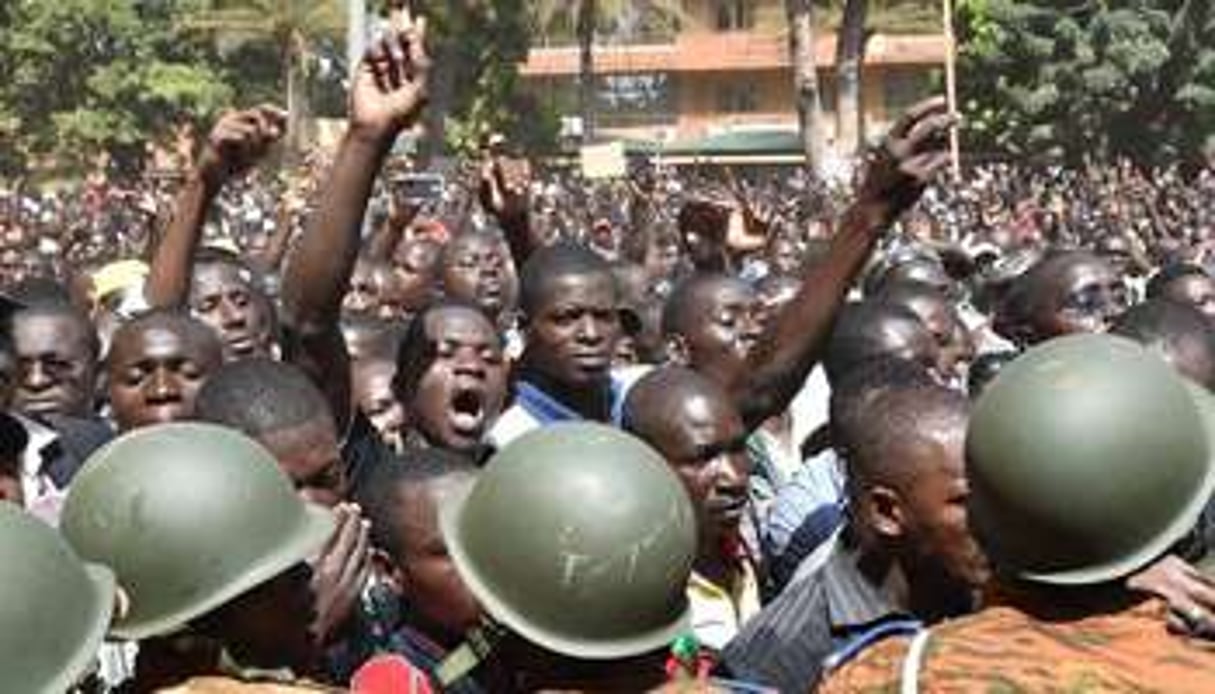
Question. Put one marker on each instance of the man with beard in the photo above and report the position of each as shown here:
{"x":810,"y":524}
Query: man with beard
{"x":1070,"y":608}
{"x":156,"y":365}
{"x":692,"y":423}
{"x":905,"y":555}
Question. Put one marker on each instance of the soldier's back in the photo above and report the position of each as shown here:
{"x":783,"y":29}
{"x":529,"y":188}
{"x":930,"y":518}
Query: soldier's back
{"x":1005,"y":649}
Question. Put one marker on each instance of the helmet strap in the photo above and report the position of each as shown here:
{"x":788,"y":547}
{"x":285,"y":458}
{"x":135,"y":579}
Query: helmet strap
{"x":477,"y":646}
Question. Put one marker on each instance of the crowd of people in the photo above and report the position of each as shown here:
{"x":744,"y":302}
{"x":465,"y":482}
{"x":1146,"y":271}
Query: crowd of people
{"x":695,"y":429}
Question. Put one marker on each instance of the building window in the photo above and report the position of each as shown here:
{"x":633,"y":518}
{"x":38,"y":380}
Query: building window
{"x":738,"y":97}
{"x":735,"y":15}
{"x":639,"y":99}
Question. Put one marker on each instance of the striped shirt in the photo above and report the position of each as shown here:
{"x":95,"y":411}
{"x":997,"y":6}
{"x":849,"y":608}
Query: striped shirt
{"x":785,"y":646}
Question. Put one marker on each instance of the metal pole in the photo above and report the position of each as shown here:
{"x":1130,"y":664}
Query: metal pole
{"x":356,"y":35}
{"x":951,"y":88}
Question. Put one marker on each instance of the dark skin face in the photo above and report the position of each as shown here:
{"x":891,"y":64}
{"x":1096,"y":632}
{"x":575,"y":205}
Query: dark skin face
{"x":372,"y":390}
{"x":463,"y":390}
{"x":943,"y":325}
{"x":267,"y":627}
{"x":1194,"y":290}
{"x":478,"y":268}
{"x":223,"y":297}
{"x":56,"y":368}
{"x":425,"y":574}
{"x":920,"y":515}
{"x":705,"y":443}
{"x":364,"y":295}
{"x":416,"y":269}
{"x":310,"y":455}
{"x":729,"y":321}
{"x":785,"y":257}
{"x":155,"y":373}
{"x":572,"y":336}
{"x":1083,"y":296}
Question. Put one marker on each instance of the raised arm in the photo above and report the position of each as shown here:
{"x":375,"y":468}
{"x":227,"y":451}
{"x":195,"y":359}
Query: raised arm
{"x":387,"y":97}
{"x":236,"y":143}
{"x":911,"y":155}
{"x":504,"y":193}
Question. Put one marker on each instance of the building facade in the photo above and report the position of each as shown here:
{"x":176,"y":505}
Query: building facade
{"x":721,"y":66}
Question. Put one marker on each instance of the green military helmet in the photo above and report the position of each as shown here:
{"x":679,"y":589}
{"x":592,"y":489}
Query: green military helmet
{"x":1087,"y":458}
{"x":579,"y":538}
{"x":189,"y":516}
{"x":55,"y":610}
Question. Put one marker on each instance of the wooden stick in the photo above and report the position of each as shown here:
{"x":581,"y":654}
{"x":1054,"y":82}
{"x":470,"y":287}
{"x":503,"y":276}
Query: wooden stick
{"x":951,"y":88}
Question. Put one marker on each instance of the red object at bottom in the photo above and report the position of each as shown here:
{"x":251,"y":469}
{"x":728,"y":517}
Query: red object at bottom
{"x":390,"y":674}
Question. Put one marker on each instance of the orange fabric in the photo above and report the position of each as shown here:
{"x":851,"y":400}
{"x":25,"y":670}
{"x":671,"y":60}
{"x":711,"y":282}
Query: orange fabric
{"x":225,"y":685}
{"x":1002,"y":649}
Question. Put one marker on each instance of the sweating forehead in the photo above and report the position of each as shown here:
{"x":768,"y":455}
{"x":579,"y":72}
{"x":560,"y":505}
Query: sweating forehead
{"x":565,"y":282}
{"x":720,"y":291}
{"x":471,"y":242}
{"x":163,"y":335}
{"x":219,"y":276}
{"x":64,"y":329}
{"x":458,"y":321}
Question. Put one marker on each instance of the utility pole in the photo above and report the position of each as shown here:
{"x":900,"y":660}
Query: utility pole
{"x":951,"y":88}
{"x":356,"y":35}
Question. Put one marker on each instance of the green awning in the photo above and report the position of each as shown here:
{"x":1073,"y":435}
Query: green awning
{"x":740,"y":142}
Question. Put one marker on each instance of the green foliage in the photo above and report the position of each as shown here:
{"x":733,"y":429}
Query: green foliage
{"x":1088,"y":80}
{"x":91,"y":76}
{"x":479,"y":48}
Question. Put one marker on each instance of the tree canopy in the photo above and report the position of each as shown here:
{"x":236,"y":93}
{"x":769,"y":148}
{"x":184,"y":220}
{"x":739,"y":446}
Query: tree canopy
{"x":85,"y":77}
{"x":1081,"y":80}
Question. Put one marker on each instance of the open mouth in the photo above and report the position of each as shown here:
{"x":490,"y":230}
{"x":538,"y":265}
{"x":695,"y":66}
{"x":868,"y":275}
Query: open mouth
{"x":467,"y":411}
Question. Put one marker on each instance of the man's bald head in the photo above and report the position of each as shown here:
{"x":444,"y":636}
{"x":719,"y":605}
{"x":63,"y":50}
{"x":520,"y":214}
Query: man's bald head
{"x":870,"y":330}
{"x":656,"y":404}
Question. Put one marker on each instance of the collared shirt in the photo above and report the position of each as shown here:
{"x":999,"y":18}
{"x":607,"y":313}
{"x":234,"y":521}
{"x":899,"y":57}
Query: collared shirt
{"x":719,"y":612}
{"x":786,"y":645}
{"x":43,"y":497}
{"x":534,"y":408}
{"x":804,"y":514}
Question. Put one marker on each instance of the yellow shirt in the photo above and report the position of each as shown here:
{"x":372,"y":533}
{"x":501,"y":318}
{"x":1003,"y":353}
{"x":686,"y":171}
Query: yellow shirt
{"x":719,"y":612}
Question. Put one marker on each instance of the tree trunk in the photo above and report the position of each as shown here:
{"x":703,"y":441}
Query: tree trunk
{"x":805,"y":81}
{"x":586,"y":66}
{"x":850,"y":57}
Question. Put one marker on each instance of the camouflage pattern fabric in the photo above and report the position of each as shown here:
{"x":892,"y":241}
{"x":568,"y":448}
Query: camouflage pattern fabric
{"x":1003,"y":650}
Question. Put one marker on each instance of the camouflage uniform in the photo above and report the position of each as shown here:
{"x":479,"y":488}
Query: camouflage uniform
{"x":1018,"y":649}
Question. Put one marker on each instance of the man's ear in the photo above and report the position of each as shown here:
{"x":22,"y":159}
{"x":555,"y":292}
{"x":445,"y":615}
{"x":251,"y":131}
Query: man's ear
{"x":677,"y":350}
{"x":881,"y":510}
{"x":388,"y":571}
